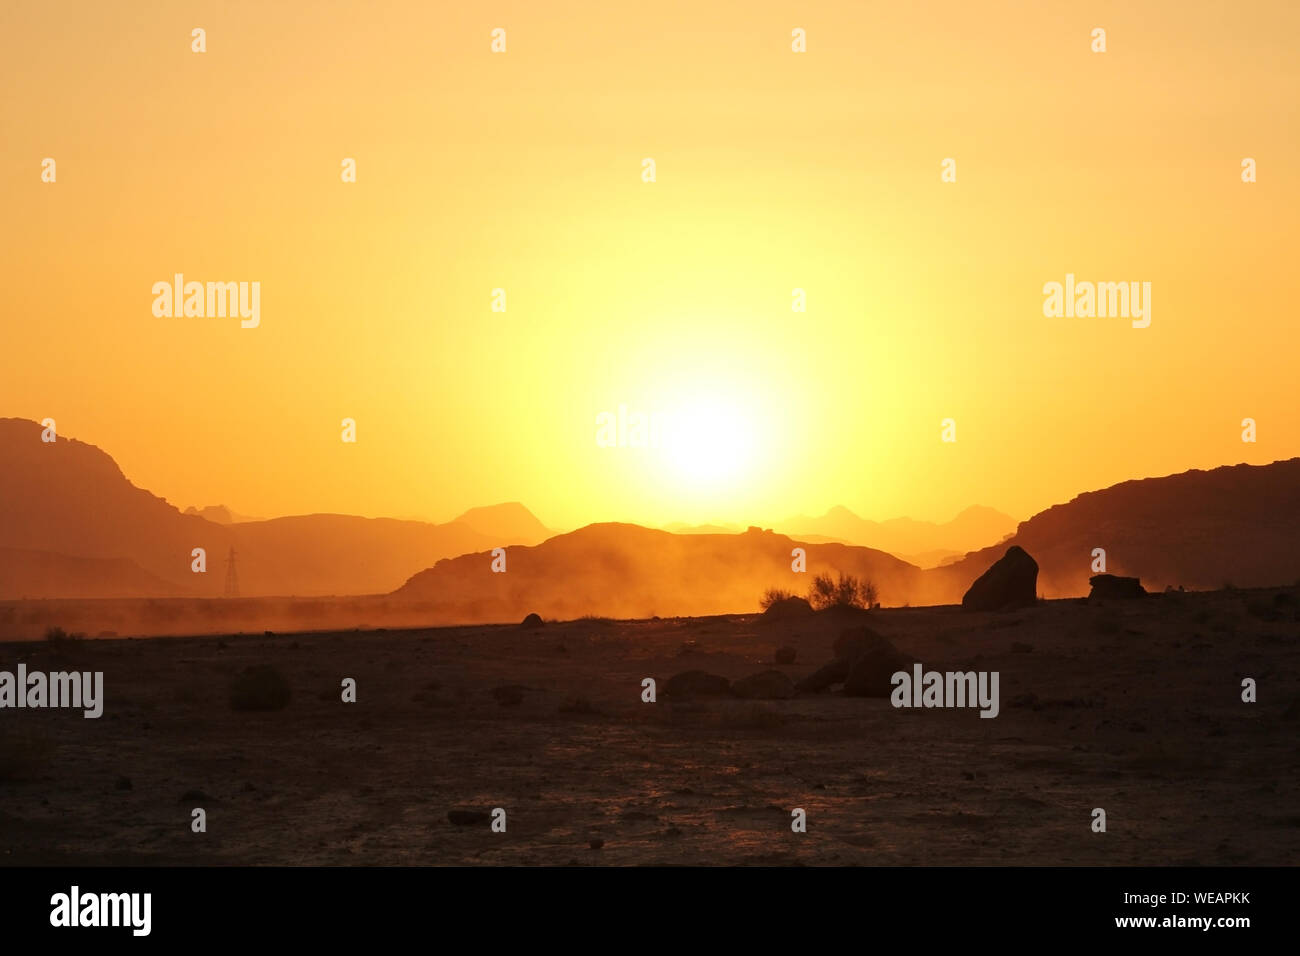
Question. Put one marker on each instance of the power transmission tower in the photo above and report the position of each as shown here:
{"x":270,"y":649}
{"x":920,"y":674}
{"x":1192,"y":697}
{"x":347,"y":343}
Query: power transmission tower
{"x":232,"y":576}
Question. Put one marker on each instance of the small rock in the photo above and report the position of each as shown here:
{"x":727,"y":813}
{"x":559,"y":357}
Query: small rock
{"x":1114,"y":586}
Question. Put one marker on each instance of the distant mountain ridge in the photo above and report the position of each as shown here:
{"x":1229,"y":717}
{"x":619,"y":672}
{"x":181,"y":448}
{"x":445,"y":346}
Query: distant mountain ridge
{"x":72,"y":525}
{"x":69,"y":501}
{"x":219,"y":514}
{"x":975,"y":527}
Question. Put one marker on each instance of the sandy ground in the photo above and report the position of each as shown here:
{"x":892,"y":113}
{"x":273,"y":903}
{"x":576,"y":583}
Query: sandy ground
{"x":1134,"y":707}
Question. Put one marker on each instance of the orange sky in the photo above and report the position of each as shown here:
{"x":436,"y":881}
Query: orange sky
{"x":775,"y":170}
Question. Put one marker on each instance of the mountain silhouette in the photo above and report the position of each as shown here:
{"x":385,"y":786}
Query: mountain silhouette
{"x":68,"y":499}
{"x":1237,"y":524}
{"x":219,"y":514}
{"x":72,"y":525}
{"x":924,"y":541}
{"x":508,"y":523}
{"x":625,"y":570}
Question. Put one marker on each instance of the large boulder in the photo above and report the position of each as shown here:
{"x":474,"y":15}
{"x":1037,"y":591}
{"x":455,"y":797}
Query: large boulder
{"x":532,"y":621}
{"x":765,"y":685}
{"x":1114,"y":586}
{"x":697,"y":684}
{"x":836,"y":672}
{"x":1012,"y":582}
{"x":853,"y":642}
{"x":871,"y":673}
{"x":860,"y":651}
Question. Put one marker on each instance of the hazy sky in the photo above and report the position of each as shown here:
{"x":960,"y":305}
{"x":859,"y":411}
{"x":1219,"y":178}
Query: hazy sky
{"x":775,"y":170}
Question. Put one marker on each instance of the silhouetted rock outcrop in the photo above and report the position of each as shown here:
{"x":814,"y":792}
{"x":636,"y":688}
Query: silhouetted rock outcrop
{"x":765,"y":685}
{"x":1010,"y":583}
{"x":533,"y":620}
{"x":1114,"y":586}
{"x":786,"y":608}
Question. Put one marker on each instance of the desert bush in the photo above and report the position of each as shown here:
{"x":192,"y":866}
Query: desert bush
{"x":772,"y":596}
{"x":846,"y":591}
{"x":259,"y":688}
{"x":57,"y":635}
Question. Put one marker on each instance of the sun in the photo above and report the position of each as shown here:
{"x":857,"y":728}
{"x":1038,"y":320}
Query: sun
{"x":710,"y":441}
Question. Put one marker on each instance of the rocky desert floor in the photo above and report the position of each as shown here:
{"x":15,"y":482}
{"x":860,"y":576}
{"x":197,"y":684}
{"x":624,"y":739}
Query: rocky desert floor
{"x":1131,"y":706}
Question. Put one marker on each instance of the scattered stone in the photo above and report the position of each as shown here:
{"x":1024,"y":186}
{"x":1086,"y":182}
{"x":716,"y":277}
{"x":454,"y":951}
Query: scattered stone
{"x":697,"y":684}
{"x":1012,"y":582}
{"x":765,"y":685}
{"x":1114,"y":586}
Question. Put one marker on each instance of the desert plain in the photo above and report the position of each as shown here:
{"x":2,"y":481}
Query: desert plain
{"x":1131,"y":706}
